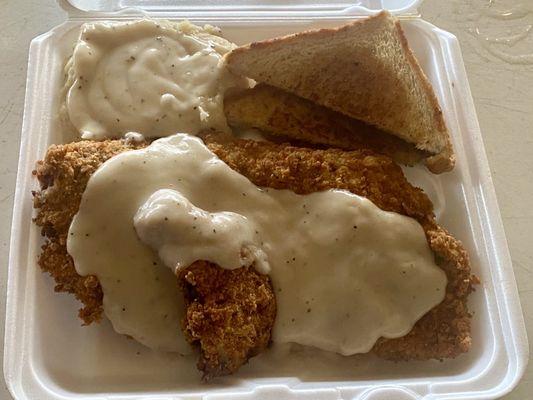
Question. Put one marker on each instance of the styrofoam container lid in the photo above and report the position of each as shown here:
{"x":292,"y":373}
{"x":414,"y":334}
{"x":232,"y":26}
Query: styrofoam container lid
{"x":346,"y":7}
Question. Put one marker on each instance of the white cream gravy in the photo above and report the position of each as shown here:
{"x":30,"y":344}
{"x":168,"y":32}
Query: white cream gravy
{"x":344,"y":272}
{"x":182,"y":234}
{"x":150,"y":77}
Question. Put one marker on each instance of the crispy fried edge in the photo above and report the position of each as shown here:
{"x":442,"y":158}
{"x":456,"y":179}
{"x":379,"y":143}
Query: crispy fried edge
{"x":230,"y":315}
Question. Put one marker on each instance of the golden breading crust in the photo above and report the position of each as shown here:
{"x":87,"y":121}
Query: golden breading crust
{"x":444,"y":332}
{"x":230,"y":315}
{"x":288,"y":117}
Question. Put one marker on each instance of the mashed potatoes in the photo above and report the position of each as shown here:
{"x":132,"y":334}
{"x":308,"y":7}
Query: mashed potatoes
{"x":155,"y":78}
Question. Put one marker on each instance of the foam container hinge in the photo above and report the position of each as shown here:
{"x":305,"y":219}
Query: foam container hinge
{"x":48,"y":355}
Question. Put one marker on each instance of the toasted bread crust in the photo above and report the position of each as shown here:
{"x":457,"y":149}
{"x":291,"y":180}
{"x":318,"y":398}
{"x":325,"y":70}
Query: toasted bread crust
{"x":375,"y":79}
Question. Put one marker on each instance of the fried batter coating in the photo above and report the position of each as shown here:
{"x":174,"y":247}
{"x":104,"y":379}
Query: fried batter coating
{"x":444,"y":332}
{"x":230,"y":315}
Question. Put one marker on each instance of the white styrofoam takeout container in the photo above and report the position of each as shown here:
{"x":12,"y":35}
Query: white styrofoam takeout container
{"x":48,"y":355}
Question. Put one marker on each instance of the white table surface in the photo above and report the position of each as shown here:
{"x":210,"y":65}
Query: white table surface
{"x":502,"y":91}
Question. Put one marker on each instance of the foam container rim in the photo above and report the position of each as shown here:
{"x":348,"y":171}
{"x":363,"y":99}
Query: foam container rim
{"x":508,"y":360}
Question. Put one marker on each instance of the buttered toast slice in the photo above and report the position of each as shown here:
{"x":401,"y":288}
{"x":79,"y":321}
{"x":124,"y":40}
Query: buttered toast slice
{"x":364,"y":70}
{"x":283,"y":114}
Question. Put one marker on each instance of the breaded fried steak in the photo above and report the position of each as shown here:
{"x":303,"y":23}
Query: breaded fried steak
{"x":230,"y":314}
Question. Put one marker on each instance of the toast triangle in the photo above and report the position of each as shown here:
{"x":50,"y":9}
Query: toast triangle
{"x":364,"y":70}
